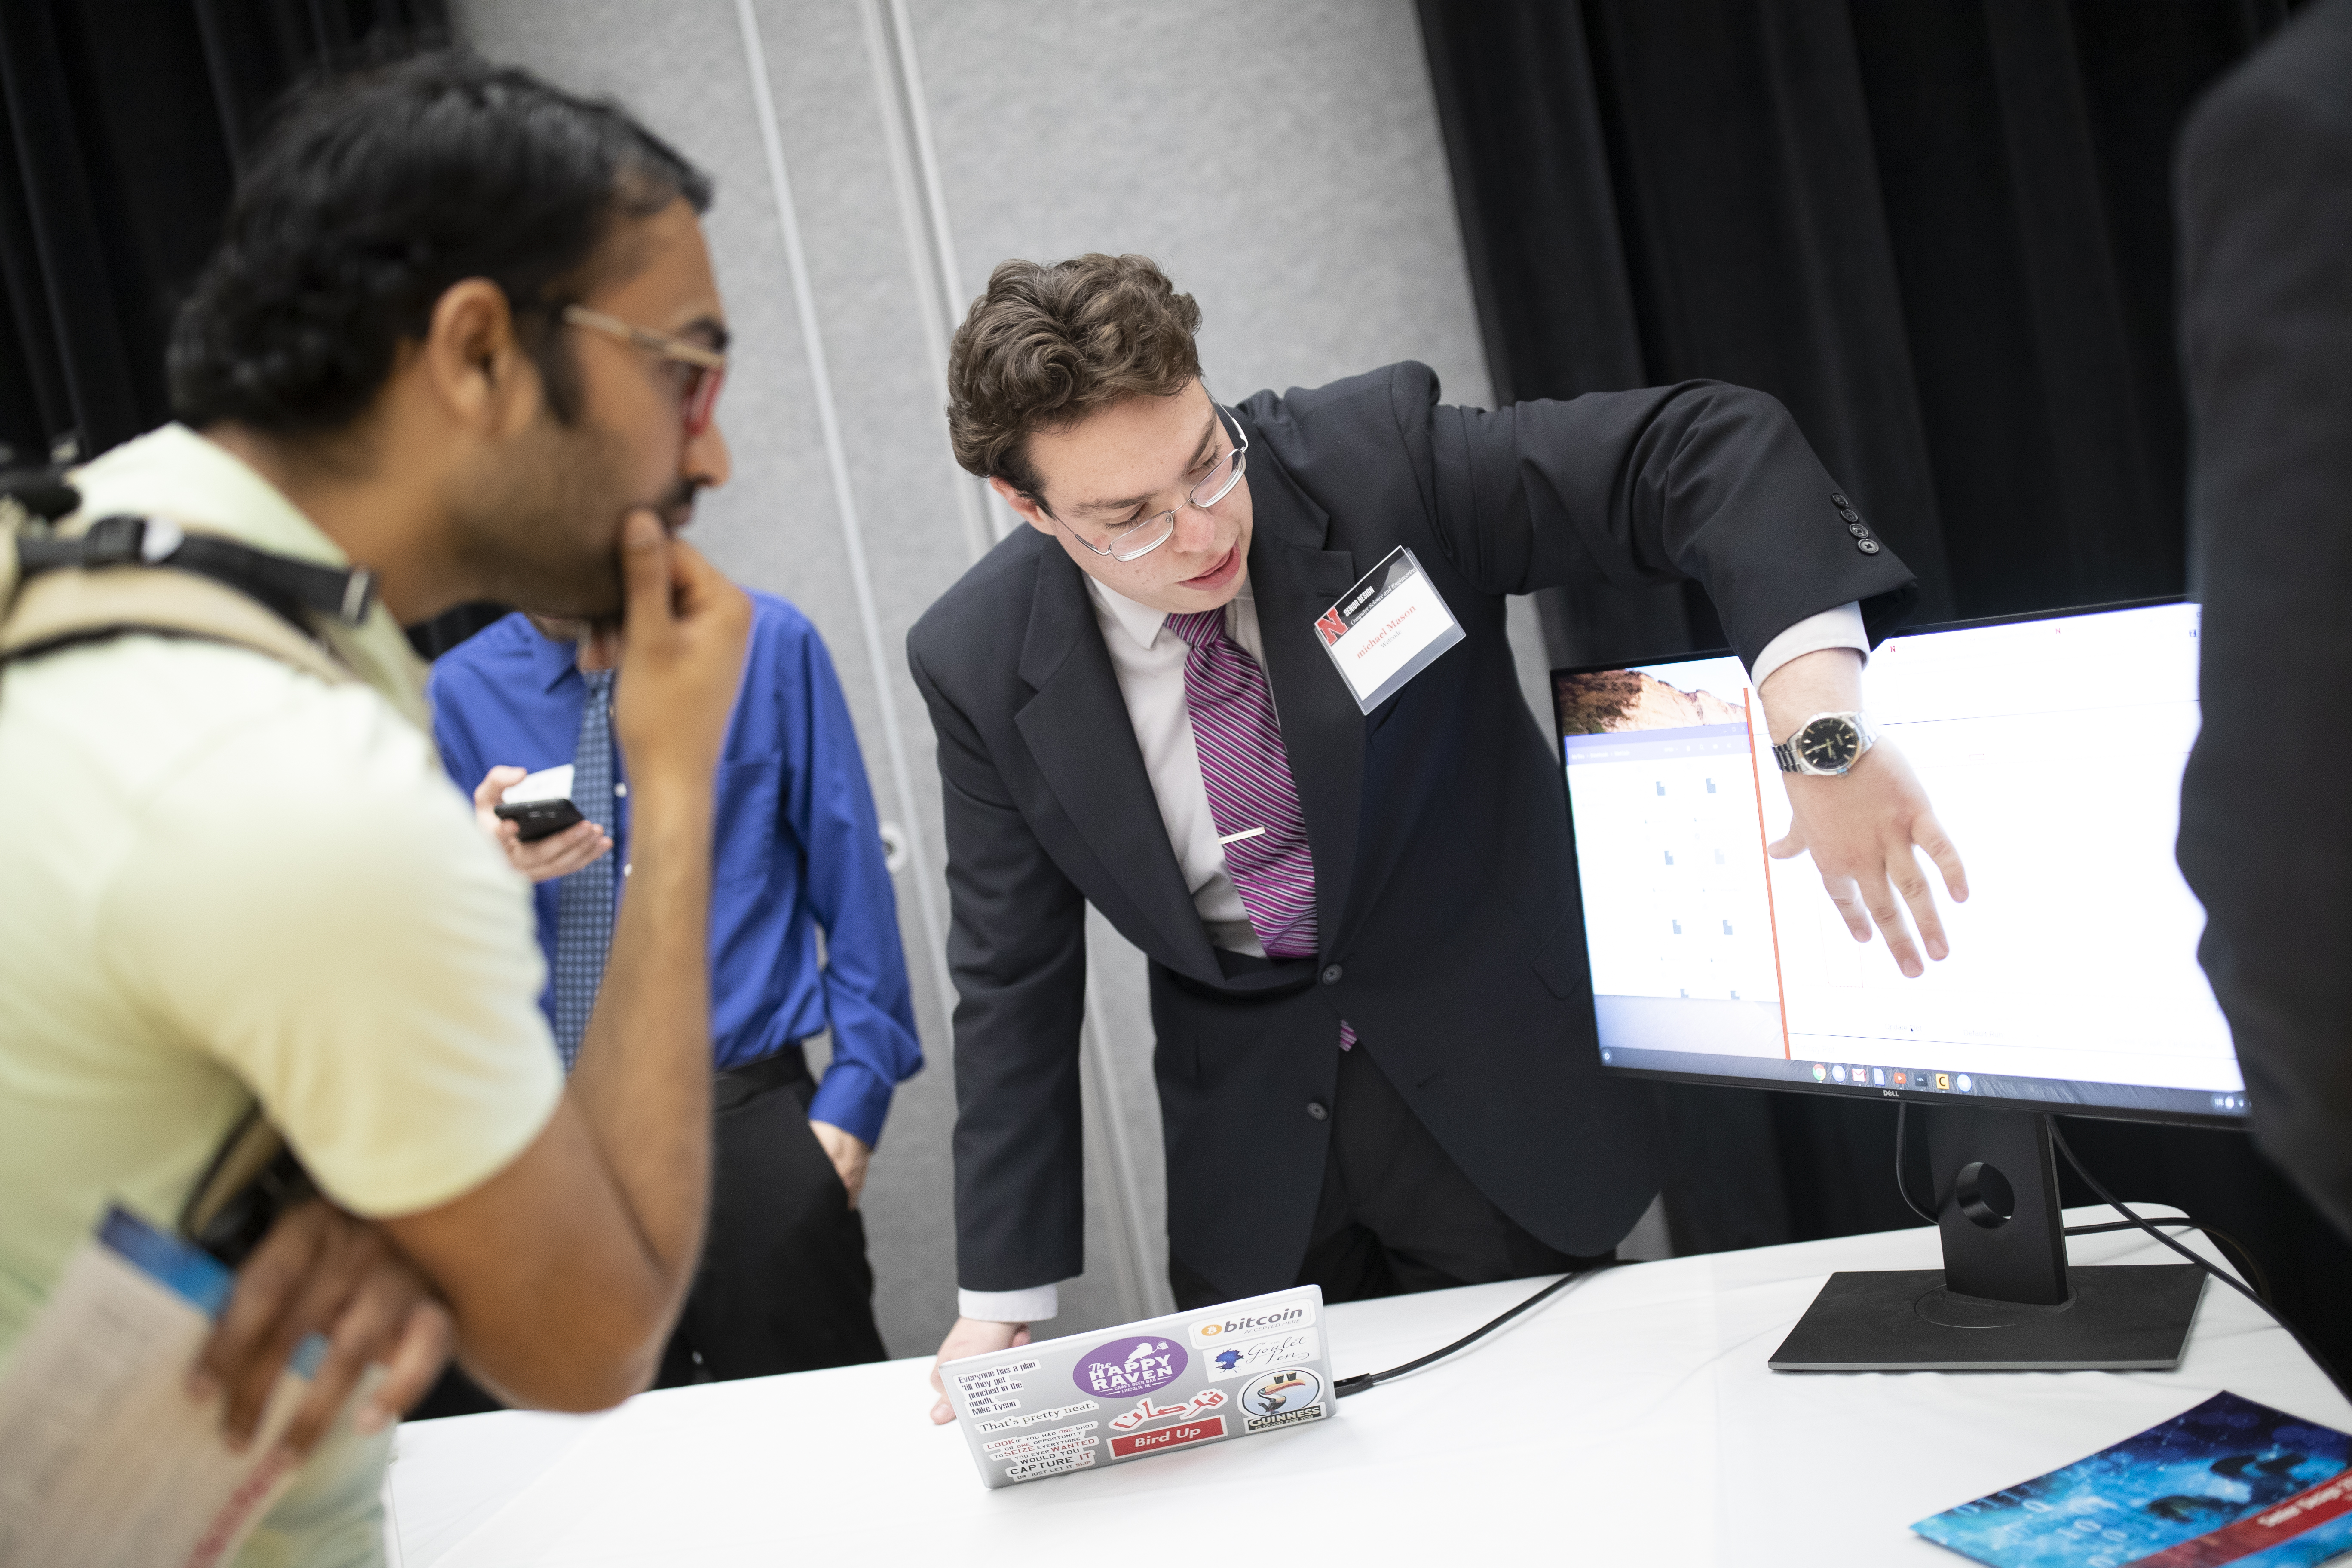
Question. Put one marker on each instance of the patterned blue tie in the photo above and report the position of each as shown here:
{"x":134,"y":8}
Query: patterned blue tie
{"x":583,"y":905}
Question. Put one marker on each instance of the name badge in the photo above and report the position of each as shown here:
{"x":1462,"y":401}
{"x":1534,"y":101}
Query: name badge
{"x":1387,"y":629}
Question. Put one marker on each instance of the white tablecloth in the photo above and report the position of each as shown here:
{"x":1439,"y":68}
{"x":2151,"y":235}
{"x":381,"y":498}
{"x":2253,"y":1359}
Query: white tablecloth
{"x":1629,"y":1420}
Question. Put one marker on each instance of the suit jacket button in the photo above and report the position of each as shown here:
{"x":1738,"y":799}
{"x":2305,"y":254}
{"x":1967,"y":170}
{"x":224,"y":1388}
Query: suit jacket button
{"x":1317,"y":1110}
{"x":1331,"y":974}
{"x":1839,"y":502}
{"x":1867,"y":546}
{"x":1859,"y":530}
{"x":1850,"y":514}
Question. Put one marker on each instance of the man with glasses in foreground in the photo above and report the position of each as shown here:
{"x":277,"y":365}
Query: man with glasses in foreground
{"x":233,"y":882}
{"x":804,"y":938}
{"x":1375,"y":1060}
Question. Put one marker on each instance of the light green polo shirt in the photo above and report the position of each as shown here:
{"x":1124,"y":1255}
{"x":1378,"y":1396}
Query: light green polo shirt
{"x":222,"y":879}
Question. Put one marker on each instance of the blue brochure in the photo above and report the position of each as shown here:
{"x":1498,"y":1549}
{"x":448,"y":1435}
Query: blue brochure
{"x":191,"y":1273}
{"x":2228,"y":1482}
{"x":104,"y":1458}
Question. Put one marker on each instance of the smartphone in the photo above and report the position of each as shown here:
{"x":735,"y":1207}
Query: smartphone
{"x":539,"y":818}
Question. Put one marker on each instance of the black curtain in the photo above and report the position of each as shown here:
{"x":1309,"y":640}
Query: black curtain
{"x":1941,"y":231}
{"x":126,"y":121}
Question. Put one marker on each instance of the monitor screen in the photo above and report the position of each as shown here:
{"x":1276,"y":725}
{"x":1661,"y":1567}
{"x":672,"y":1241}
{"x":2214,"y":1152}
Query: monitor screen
{"x":2051,"y":749}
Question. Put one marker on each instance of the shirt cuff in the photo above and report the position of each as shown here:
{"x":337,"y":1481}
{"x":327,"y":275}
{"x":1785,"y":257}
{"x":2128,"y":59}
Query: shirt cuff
{"x":1841,"y":627}
{"x":853,"y":1099}
{"x":1030,"y":1306}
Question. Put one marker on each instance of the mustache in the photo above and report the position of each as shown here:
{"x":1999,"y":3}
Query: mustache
{"x":676,"y":508}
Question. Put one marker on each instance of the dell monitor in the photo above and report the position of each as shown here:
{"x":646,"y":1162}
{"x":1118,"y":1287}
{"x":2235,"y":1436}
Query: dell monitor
{"x":2051,"y":748}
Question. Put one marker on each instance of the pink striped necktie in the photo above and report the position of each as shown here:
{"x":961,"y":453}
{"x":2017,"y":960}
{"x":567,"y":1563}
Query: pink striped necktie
{"x":1250,"y":789}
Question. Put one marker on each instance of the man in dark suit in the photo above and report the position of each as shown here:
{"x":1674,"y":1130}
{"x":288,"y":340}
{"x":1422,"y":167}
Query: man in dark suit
{"x":1375,"y":1059}
{"x":2265,"y":183}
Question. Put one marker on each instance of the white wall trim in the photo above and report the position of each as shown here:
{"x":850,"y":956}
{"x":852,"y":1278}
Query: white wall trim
{"x":940,"y":287}
{"x":922,"y":214}
{"x":1135,"y":1270}
{"x":853,"y":534}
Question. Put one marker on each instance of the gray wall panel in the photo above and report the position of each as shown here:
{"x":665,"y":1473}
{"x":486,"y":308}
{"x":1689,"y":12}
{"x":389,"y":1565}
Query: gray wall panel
{"x":1297,"y":186}
{"x":1282,"y":162}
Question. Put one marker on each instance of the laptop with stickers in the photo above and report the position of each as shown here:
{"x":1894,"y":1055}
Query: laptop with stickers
{"x":1103,"y":1398}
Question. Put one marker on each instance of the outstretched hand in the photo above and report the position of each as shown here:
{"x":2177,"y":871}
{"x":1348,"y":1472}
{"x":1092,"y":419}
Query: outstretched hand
{"x":1862,"y":830}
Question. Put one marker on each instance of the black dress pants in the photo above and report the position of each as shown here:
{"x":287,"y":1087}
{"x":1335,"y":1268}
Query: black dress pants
{"x":1396,"y":1214}
{"x":784,"y":1285}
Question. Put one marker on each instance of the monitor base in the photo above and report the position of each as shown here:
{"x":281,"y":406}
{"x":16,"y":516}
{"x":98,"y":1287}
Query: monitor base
{"x":2123,"y":1318}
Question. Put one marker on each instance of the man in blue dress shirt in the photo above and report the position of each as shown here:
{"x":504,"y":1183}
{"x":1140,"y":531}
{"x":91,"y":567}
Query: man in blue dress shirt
{"x":785,"y":1284}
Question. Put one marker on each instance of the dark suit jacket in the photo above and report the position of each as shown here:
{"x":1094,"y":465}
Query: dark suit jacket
{"x":2266,"y":811}
{"x":1446,"y":884}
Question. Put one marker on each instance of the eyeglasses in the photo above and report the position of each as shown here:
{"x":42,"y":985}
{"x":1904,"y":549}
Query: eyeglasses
{"x":704,"y":368}
{"x":1134,"y":540}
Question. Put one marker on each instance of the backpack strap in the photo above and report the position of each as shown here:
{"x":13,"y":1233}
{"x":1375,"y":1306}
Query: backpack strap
{"x":59,"y":611}
{"x":289,"y":586}
{"x":124,"y":574}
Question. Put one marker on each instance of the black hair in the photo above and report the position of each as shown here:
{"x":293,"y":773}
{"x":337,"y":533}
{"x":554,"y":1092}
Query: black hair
{"x":371,"y":195}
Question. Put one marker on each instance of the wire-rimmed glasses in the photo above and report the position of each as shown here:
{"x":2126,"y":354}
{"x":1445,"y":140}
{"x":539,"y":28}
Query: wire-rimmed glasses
{"x":705,"y":367}
{"x":1134,"y":540}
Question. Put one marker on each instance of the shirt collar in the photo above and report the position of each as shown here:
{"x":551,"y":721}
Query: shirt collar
{"x":172,"y":472}
{"x":551,"y":658}
{"x":1141,"y":623}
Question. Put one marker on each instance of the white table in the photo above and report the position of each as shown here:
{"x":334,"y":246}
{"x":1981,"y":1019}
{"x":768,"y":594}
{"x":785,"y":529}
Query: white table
{"x":1630,"y":1419}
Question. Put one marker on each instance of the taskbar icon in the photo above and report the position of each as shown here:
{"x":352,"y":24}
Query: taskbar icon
{"x":1851,"y":1075}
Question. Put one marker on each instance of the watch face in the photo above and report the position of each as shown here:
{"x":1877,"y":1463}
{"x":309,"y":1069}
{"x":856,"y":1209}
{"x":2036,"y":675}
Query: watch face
{"x":1829,"y":744}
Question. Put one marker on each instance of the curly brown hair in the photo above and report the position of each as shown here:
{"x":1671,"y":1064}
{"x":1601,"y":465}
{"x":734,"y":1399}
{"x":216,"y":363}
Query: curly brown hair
{"x":1045,"y":345}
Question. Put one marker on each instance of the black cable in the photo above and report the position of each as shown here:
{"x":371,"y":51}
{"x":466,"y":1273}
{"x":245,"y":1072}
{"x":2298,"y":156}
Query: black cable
{"x":2240,"y":1253}
{"x":1902,"y":1124}
{"x":1367,"y":1380}
{"x":2232,"y":1248}
{"x":1364,"y":1380}
{"x":2109,"y":1199}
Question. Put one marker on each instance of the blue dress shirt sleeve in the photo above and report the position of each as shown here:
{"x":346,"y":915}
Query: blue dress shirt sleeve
{"x":830,"y":810}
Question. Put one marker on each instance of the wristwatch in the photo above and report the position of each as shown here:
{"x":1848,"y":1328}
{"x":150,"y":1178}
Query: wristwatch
{"x":1826,"y":743}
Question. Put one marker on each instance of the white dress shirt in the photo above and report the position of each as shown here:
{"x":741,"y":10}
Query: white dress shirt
{"x":1150,"y":663}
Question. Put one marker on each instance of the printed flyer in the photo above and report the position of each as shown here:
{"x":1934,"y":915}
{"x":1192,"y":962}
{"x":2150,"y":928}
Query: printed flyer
{"x":2228,"y":1482}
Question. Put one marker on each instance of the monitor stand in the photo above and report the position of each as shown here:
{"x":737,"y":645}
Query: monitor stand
{"x":2005,"y":1299}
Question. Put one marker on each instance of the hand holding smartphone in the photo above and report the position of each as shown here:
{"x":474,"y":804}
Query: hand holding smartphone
{"x":551,"y":836}
{"x":538,"y":819}
{"x":539,"y":805}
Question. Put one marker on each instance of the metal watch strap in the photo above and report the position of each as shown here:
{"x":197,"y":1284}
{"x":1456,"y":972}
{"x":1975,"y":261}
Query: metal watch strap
{"x":1784,"y":752}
